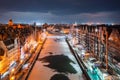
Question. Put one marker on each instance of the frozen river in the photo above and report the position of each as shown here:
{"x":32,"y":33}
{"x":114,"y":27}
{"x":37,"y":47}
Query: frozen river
{"x":56,"y":62}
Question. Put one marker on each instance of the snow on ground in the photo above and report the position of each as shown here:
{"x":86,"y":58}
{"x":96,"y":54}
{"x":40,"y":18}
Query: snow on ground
{"x":53,"y":47}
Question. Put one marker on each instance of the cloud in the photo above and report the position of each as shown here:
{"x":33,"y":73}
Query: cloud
{"x":26,"y":16}
{"x":60,"y":7}
{"x":50,"y":17}
{"x":103,"y":17}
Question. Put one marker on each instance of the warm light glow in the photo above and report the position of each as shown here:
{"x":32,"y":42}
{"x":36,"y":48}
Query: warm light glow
{"x":26,"y":55}
{"x":12,"y":78}
{"x":21,"y":61}
{"x":13,"y":70}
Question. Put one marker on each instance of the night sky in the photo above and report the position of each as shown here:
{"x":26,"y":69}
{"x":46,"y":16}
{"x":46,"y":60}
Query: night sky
{"x":60,"y":11}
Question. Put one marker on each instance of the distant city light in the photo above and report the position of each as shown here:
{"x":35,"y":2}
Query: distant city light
{"x":38,"y":23}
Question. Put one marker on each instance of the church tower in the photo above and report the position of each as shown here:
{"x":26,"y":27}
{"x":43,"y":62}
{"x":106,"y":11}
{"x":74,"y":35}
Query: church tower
{"x":10,"y":23}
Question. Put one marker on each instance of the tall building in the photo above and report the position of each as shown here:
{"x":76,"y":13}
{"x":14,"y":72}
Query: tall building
{"x":10,"y":23}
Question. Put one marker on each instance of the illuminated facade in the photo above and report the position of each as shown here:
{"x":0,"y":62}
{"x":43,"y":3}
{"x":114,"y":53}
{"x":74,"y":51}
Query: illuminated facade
{"x":10,"y":53}
{"x":102,"y":43}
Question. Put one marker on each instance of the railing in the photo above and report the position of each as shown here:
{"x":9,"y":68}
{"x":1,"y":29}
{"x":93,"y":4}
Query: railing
{"x":115,"y":68}
{"x":81,"y":64}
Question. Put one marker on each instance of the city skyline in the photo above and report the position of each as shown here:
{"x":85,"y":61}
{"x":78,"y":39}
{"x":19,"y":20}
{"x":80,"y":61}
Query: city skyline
{"x":60,"y":11}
